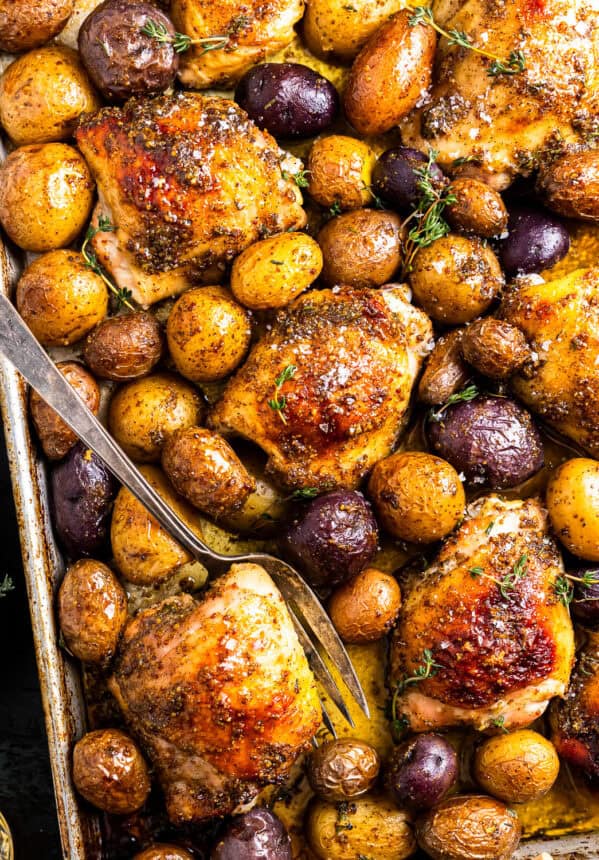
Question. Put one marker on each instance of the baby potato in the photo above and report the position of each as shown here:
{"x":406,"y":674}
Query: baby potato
{"x":205,"y":470}
{"x":163,"y":851}
{"x":469,"y":827}
{"x":143,"y":413}
{"x":46,"y":196}
{"x":455,"y":279}
{"x":144,"y":553}
{"x":110,"y":771}
{"x":389,"y":75}
{"x":417,"y":497}
{"x":55,"y":436}
{"x":361,"y":248}
{"x":43,"y":94}
{"x":339,"y":29}
{"x":208,"y":334}
{"x":124,"y":347}
{"x":445,"y":373}
{"x":340,"y":172}
{"x":570,"y":185}
{"x":573,"y":505}
{"x":375,"y":828}
{"x":516,"y":767}
{"x":273,"y":272}
{"x":477,"y":209}
{"x":343,"y":769}
{"x":25,"y":25}
{"x":60,"y":298}
{"x":494,"y":347}
{"x":92,"y":611}
{"x":365,"y":609}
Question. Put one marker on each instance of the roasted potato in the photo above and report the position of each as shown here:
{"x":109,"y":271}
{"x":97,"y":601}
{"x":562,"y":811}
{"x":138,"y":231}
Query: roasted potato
{"x":43,"y":94}
{"x":92,"y":611}
{"x":418,"y":497}
{"x":477,"y":209}
{"x":494,"y":347}
{"x":455,"y":279}
{"x":273,"y":272}
{"x":60,"y":298}
{"x":163,"y":851}
{"x":266,"y":507}
{"x":361,"y":248}
{"x":340,"y":172}
{"x":367,"y":826}
{"x":389,"y":75}
{"x":110,"y":771}
{"x":516,"y":767}
{"x":144,"y":553}
{"x":343,"y":769}
{"x":205,"y":470}
{"x":469,"y":827}
{"x":421,"y":771}
{"x":570,"y":185}
{"x":144,"y":412}
{"x":254,"y":835}
{"x":365,"y":609}
{"x":208,"y":334}
{"x":55,"y":436}
{"x":339,"y":29}
{"x":446,"y":372}
{"x":46,"y":196}
{"x":25,"y":25}
{"x":124,"y":347}
{"x":573,"y":505}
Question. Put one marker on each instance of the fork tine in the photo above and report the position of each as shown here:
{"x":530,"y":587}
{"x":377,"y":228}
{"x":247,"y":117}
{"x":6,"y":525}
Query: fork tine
{"x":327,"y":721}
{"x":322,"y":673}
{"x":293,"y":587}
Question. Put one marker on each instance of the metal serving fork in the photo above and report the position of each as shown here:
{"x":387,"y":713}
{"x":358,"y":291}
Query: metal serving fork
{"x":315,"y":631}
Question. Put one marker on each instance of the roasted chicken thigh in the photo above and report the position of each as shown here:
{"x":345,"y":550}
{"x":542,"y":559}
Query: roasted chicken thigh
{"x":482,"y":638}
{"x":185,"y":182}
{"x":218,"y":691}
{"x":346,"y":360}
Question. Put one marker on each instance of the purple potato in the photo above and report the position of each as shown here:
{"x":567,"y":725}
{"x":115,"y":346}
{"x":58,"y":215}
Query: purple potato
{"x":536,"y":240}
{"x":334,"y":538}
{"x":121,"y":60}
{"x":288,"y":99}
{"x":585,"y":605}
{"x":394,"y":177}
{"x":421,"y":771}
{"x":82,"y":494}
{"x":492,"y":440}
{"x":256,"y":835}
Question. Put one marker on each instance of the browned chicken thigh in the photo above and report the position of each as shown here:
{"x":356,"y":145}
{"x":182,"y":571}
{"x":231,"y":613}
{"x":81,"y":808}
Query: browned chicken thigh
{"x":348,"y":359}
{"x":482,"y":638}
{"x":502,"y":123}
{"x":218,"y":691}
{"x":188,"y":181}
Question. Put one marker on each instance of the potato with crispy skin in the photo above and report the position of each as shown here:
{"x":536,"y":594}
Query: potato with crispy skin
{"x":110,"y":771}
{"x":495,"y":348}
{"x":124,"y":347}
{"x":445,"y":372}
{"x":339,"y":29}
{"x":163,"y":851}
{"x":340,"y":172}
{"x":573,"y":505}
{"x":516,"y":767}
{"x":361,"y":248}
{"x":477,"y":208}
{"x":570,"y":185}
{"x":366,"y":608}
{"x":25,"y":25}
{"x":55,"y":436}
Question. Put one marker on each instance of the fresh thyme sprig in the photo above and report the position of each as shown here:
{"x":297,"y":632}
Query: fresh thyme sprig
{"x":464,"y":396}
{"x":91,"y":261}
{"x":300,"y":178}
{"x":305,"y":493}
{"x":515,"y":63}
{"x":564,"y":586}
{"x":499,"y":723}
{"x":508,"y":582}
{"x":6,"y":585}
{"x":427,"y":669}
{"x":279,"y":401}
{"x":180,"y":41}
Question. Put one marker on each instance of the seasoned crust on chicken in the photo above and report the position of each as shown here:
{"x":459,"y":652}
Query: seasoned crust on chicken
{"x":561,"y":383}
{"x":218,"y":691}
{"x":486,"y":609}
{"x":253,"y":29}
{"x":356,"y":354}
{"x":189,"y":182}
{"x":504,"y":121}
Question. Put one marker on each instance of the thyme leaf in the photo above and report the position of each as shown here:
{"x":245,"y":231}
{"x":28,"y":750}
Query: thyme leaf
{"x":279,"y":401}
{"x":92,"y":262}
{"x":464,"y":396}
{"x":499,"y":723}
{"x":300,"y":178}
{"x":181,"y":42}
{"x":428,"y":668}
{"x":6,"y":585}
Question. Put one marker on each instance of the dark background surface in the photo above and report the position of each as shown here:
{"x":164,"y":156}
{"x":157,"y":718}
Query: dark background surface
{"x":26,"y":794}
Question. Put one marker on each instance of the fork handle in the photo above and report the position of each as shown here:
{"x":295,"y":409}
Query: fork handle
{"x":22,"y":349}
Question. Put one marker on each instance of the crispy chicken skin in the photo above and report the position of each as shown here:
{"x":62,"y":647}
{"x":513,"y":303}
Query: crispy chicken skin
{"x":357,"y":353}
{"x":561,"y":383}
{"x":254,"y":29}
{"x":218,"y":691}
{"x":505,"y":120}
{"x":189,"y":182}
{"x":575,"y":719}
{"x":498,"y":656}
